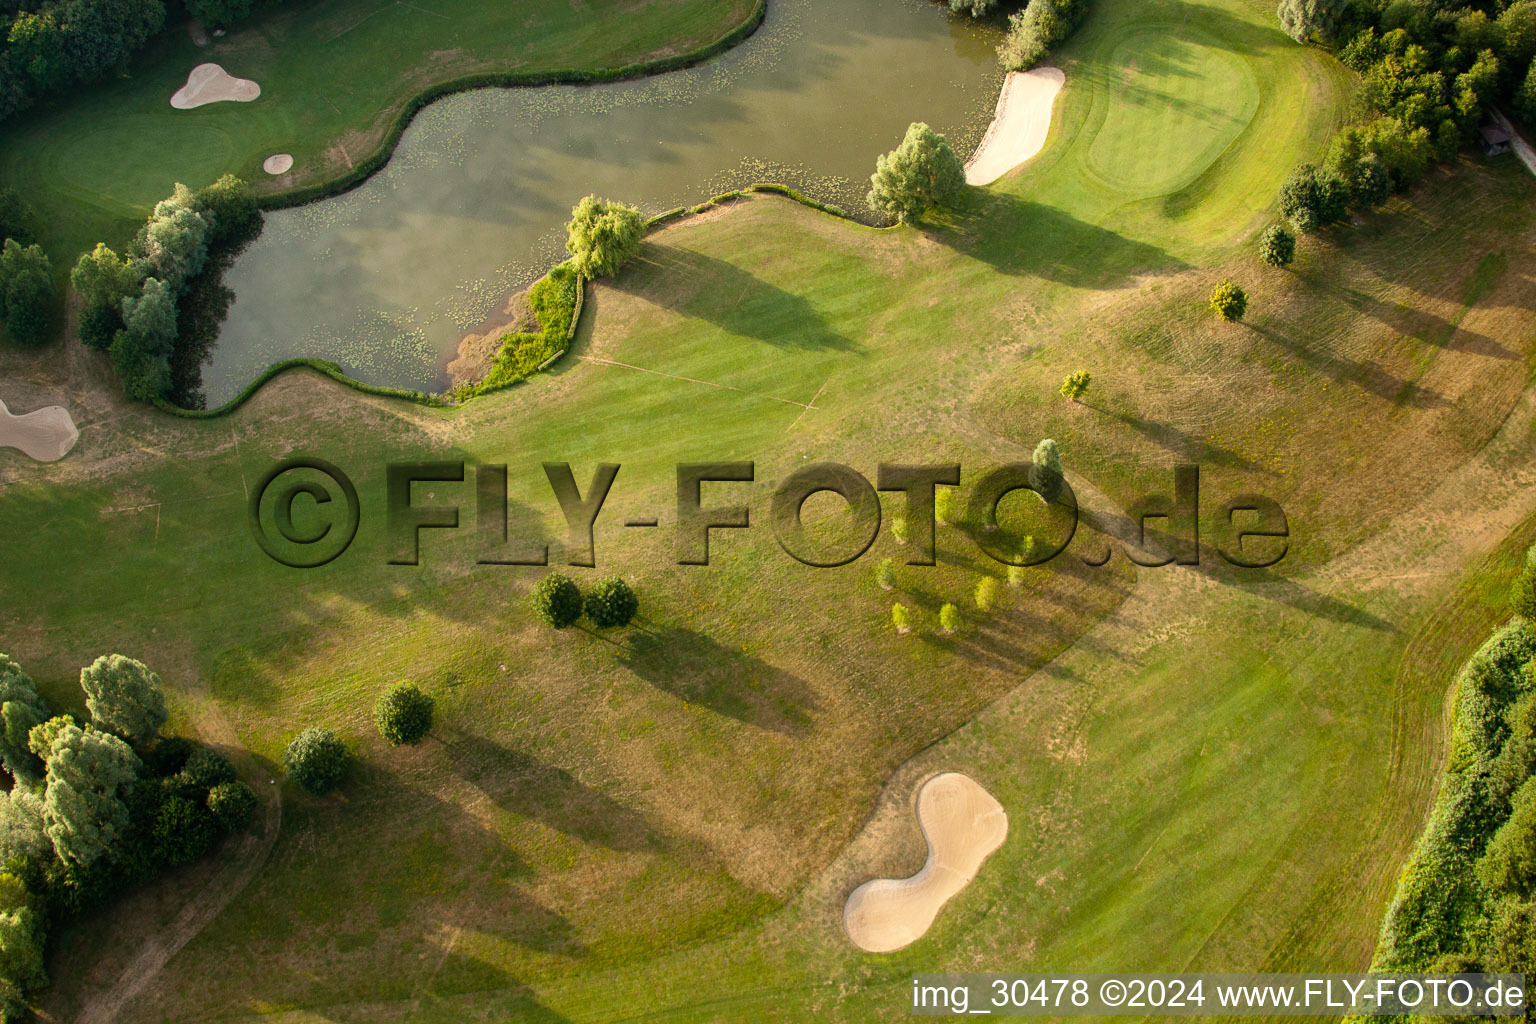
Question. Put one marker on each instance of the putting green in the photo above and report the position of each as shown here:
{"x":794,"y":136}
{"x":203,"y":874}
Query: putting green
{"x":142,"y":178}
{"x":1177,"y":101}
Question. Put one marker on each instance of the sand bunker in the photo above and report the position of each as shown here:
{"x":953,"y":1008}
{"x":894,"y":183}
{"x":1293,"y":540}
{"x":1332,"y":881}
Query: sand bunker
{"x":45,"y":434}
{"x":209,"y":83}
{"x":963,"y":825}
{"x":1019,"y":127}
{"x":278,"y":163}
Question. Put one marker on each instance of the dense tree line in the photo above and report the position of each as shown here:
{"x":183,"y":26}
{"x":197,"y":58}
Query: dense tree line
{"x":49,"y":47}
{"x":1430,"y":70}
{"x":157,"y":308}
{"x":1467,"y":899}
{"x":99,"y":801}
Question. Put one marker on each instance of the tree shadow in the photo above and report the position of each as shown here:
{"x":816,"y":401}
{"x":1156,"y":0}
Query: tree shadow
{"x":1367,"y":376}
{"x":734,"y":300}
{"x":1418,"y":323}
{"x":694,"y":667}
{"x":1181,"y":442}
{"x":1023,"y":238}
{"x":526,"y":786}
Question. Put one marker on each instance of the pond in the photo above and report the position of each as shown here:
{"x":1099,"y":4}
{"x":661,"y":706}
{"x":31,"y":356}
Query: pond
{"x":386,"y":279}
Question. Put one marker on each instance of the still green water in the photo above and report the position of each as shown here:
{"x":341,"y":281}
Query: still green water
{"x":386,"y":279}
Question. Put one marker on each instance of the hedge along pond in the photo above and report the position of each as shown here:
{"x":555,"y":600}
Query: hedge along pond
{"x":384,"y":280}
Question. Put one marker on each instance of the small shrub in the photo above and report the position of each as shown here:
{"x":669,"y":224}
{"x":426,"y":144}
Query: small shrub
{"x":885,"y":574}
{"x":1229,"y":301}
{"x":986,"y":593}
{"x":949,"y":618}
{"x":316,"y":759}
{"x":1075,"y":385}
{"x":611,"y":603}
{"x":1277,"y":246}
{"x":403,"y":714}
{"x":232,"y":804}
{"x":901,"y":618}
{"x":556,"y":600}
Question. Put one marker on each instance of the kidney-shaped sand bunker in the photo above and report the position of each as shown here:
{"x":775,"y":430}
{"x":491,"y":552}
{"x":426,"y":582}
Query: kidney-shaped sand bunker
{"x":963,"y":825}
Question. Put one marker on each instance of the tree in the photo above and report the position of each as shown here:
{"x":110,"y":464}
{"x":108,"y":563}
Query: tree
{"x":124,"y":697}
{"x":173,"y":244}
{"x":404,"y":714}
{"x":1045,"y":474}
{"x":1525,"y":99}
{"x":1229,"y":301}
{"x":1034,"y":30}
{"x":899,"y":529}
{"x":1075,"y":385}
{"x":21,"y":710}
{"x":103,"y":279}
{"x":21,"y":947}
{"x":88,"y":774}
{"x":232,"y":804}
{"x":316,"y":760}
{"x":556,"y":600}
{"x":15,"y":217}
{"x":28,"y":299}
{"x":1277,"y":246}
{"x":949,"y":617}
{"x":1522,"y":594}
{"x":920,"y":173}
{"x":204,"y":769}
{"x":141,"y":351}
{"x":1304,"y":19}
{"x":1312,"y":198}
{"x":975,"y":8}
{"x":986,"y":593}
{"x":183,"y":831}
{"x":602,"y":236}
{"x":885,"y":574}
{"x":21,"y":825}
{"x":611,"y":603}
{"x":901,"y":619}
{"x":227,"y":205}
{"x":1515,"y":40}
{"x":41,"y":739}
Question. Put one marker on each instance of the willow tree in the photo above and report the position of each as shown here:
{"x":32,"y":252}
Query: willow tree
{"x":921,"y":173}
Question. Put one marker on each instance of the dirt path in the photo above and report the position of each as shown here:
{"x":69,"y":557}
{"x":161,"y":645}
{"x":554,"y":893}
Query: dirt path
{"x":241,"y":863}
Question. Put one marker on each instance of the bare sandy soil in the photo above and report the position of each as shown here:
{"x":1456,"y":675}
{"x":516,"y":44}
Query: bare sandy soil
{"x":209,"y":83}
{"x":278,"y":163}
{"x":1019,"y":127}
{"x":45,"y":434}
{"x":963,"y":825}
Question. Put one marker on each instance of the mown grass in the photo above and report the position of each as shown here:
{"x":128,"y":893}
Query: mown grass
{"x":663,"y":823}
{"x":333,"y":74}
